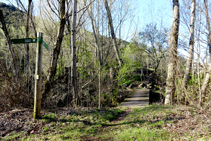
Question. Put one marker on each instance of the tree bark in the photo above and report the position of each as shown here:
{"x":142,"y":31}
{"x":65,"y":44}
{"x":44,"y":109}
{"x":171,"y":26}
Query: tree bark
{"x":191,"y":45}
{"x":27,"y":36}
{"x":207,"y":75}
{"x":49,"y":81}
{"x":73,"y":51}
{"x":110,"y":22}
{"x":173,"y":42}
{"x":198,"y":59}
{"x":6,"y":33}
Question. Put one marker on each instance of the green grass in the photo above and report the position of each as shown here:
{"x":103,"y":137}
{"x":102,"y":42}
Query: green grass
{"x":140,"y":134}
{"x":147,"y":123}
{"x":13,"y":136}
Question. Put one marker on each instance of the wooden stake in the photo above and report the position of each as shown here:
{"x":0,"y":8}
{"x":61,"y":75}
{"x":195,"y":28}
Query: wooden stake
{"x":38,"y":77}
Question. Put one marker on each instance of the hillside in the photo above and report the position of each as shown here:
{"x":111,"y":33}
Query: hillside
{"x":12,"y":14}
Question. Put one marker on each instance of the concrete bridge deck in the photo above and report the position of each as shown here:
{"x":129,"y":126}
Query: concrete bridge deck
{"x":138,"y":98}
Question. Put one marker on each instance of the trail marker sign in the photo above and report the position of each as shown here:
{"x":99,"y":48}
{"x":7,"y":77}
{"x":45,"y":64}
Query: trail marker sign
{"x":38,"y":69}
{"x":45,"y":45}
{"x":28,"y":40}
{"x":24,"y":41}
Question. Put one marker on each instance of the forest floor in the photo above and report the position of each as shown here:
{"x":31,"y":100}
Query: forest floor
{"x":152,"y":122}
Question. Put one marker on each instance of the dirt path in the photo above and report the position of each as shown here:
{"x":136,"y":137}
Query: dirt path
{"x":138,"y":98}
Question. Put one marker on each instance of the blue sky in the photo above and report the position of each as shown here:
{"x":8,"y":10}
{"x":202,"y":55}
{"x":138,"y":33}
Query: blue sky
{"x":152,"y":10}
{"x":149,"y":11}
{"x":145,"y":12}
{"x":144,"y":9}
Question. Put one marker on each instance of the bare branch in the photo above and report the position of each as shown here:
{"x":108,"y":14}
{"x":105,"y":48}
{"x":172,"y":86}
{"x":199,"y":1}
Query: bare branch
{"x":52,"y":9}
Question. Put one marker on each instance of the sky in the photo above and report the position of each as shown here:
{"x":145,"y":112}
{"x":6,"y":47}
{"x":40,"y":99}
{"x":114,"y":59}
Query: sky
{"x":152,"y":11}
{"x":145,"y":12}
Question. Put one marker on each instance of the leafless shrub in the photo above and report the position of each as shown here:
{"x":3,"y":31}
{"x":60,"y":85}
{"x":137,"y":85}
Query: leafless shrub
{"x":13,"y":90}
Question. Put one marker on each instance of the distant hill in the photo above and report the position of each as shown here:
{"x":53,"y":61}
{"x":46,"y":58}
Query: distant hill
{"x":12,"y":14}
{"x":9,"y":7}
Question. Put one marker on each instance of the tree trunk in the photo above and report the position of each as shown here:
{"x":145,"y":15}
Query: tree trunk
{"x":191,"y":45}
{"x":98,"y":52}
{"x":206,"y":81}
{"x":27,"y":36}
{"x":198,"y":60}
{"x":73,"y":51}
{"x":173,"y":42}
{"x":110,"y":21}
{"x":4,"y":28}
{"x":49,"y":81}
{"x":207,"y":76}
{"x":32,"y":21}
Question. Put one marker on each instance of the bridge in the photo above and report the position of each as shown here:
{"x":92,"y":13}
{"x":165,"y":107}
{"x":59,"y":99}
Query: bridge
{"x":138,"y":98}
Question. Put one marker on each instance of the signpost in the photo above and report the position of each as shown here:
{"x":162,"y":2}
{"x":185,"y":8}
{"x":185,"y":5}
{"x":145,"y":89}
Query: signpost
{"x":38,"y":69}
{"x":24,"y":41}
{"x":28,"y":40}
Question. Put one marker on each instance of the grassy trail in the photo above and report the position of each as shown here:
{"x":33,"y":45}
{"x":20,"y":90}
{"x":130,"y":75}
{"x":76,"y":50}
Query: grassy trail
{"x":153,"y":122}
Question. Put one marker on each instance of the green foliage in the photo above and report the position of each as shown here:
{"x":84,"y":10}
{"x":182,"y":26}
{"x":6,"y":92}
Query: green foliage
{"x":45,"y":129}
{"x":60,"y":66}
{"x":12,"y":14}
{"x":84,"y":57}
{"x":131,"y":58}
{"x":49,"y":117}
{"x":127,"y":67}
{"x":137,"y":77}
{"x":193,"y":80}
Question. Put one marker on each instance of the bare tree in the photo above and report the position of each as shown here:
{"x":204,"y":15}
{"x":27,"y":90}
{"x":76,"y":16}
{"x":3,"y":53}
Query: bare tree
{"x":207,"y":76}
{"x":156,"y":41}
{"x":27,"y":36}
{"x":27,"y":24}
{"x":110,"y":22}
{"x":49,"y":81}
{"x":173,"y":43}
{"x":97,"y":45}
{"x":73,"y":51}
{"x":191,"y":45}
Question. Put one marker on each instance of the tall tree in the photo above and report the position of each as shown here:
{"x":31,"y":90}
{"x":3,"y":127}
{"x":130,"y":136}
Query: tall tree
{"x":173,"y":43}
{"x":27,"y":36}
{"x":191,"y":45}
{"x":73,"y":51}
{"x":110,"y":22}
{"x":49,"y":81}
{"x":28,"y":16}
{"x":207,"y":76}
{"x":98,"y":54}
{"x":198,"y":59}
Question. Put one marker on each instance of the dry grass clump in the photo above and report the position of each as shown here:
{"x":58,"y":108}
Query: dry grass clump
{"x":13,"y":91}
{"x":193,"y":122}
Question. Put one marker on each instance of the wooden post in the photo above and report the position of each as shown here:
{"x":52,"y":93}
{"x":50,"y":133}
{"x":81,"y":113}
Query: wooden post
{"x":38,"y":77}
